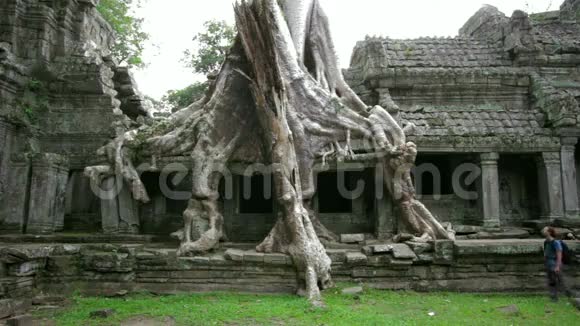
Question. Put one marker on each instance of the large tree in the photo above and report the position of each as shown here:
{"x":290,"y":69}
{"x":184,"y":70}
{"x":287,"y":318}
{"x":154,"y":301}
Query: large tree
{"x":129,"y":35}
{"x":282,"y":89}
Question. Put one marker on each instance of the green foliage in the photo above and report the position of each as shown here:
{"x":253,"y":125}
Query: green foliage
{"x":372,"y":307}
{"x":211,"y":47}
{"x":179,"y":99}
{"x":210,"y":50}
{"x":34,"y":100}
{"x":130,"y":38}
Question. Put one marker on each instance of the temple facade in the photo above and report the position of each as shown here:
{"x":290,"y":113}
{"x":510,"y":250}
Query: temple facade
{"x":504,"y":96}
{"x":62,"y":96}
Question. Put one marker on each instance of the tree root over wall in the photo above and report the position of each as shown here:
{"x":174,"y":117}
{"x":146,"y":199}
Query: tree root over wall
{"x":280,"y":95}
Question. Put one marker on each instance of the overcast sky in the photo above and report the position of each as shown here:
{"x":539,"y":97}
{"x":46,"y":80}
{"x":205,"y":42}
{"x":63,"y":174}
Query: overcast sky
{"x":172,"y":24}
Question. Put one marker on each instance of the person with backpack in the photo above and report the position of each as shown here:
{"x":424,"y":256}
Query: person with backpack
{"x":554,"y":252}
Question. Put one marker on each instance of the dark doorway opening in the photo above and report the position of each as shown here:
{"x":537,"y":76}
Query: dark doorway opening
{"x":433,"y":175}
{"x":255,"y":195}
{"x":330,"y":198}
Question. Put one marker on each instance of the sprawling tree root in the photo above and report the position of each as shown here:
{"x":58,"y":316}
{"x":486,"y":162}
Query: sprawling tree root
{"x":279,"y":99}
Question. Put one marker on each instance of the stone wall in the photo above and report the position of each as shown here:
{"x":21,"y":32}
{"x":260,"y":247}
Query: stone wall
{"x":106,"y":269}
{"x":570,"y":10}
{"x":504,"y":86}
{"x":60,"y":98}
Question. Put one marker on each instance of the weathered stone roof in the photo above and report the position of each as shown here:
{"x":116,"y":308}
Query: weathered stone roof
{"x":526,"y":69}
{"x":485,"y":120}
{"x":443,"y":52}
{"x":566,"y":36}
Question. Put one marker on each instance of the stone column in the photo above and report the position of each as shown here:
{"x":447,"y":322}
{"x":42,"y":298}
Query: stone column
{"x":6,"y":132}
{"x":490,"y":189}
{"x":109,"y":208}
{"x":14,"y":201}
{"x":120,"y":213}
{"x":47,"y":194}
{"x":59,"y":209}
{"x":550,"y":185}
{"x":569,"y":186}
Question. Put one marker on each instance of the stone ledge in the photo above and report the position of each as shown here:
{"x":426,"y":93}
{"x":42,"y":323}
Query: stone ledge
{"x":498,"y":247}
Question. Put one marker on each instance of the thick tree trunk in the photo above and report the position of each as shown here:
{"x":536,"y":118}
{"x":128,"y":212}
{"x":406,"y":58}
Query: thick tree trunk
{"x":282,"y":89}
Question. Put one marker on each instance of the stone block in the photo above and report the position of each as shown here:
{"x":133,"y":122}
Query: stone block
{"x":6,"y":308}
{"x":379,"y":260}
{"x":502,"y":234}
{"x":21,"y":306}
{"x":28,"y":268}
{"x":382,"y":249}
{"x":400,"y":262}
{"x":187,"y":263}
{"x":108,"y":262}
{"x":21,"y":254}
{"x":425,"y":258}
{"x":336,"y":255}
{"x":253,"y":256}
{"x":200,"y":260}
{"x":367,"y":250}
{"x":276,"y":259}
{"x":420,"y":247}
{"x":352,"y":238}
{"x":403,"y":251}
{"x":485,"y":248}
{"x":356,"y":258}
{"x":218,"y":260}
{"x":466,"y":229}
{"x":235,"y":255}
{"x":22,"y":320}
{"x":444,"y":251}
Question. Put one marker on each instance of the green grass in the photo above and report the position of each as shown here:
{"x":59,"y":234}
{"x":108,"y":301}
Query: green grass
{"x":373,"y":307}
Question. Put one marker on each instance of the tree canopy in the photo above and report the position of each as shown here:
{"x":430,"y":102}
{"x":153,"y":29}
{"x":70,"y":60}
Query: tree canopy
{"x":209,"y":52}
{"x":211,"y":47}
{"x":181,"y":98}
{"x":130,"y":37}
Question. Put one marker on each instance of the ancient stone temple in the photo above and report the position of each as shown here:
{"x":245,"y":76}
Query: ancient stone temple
{"x":502,"y":95}
{"x":498,"y":102}
{"x":61,"y":97}
{"x":495,"y":114}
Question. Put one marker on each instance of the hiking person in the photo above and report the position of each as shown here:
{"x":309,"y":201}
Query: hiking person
{"x":553,"y":253}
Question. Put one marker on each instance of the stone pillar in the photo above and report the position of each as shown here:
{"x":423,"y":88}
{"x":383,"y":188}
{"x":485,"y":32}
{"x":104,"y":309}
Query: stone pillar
{"x":6,"y":132}
{"x":490,"y":189}
{"x":550,"y":185}
{"x":569,"y":186}
{"x":384,"y":222}
{"x":47,"y":194}
{"x":109,"y":209}
{"x":59,"y":211}
{"x":120,"y":213}
{"x":14,"y":201}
